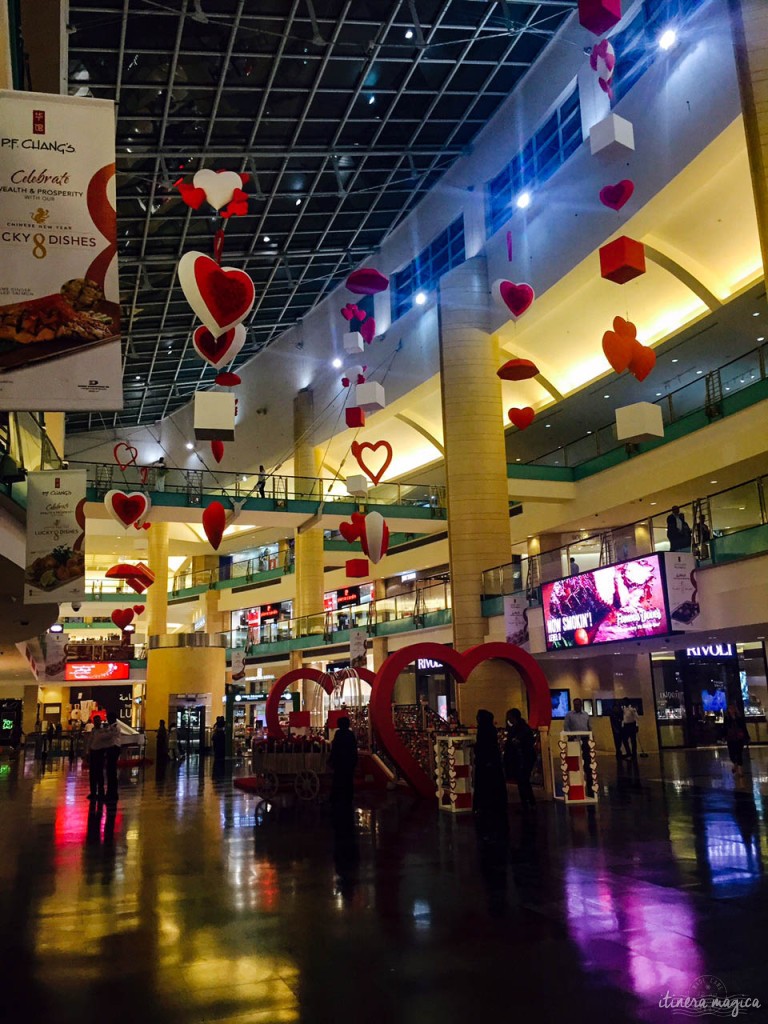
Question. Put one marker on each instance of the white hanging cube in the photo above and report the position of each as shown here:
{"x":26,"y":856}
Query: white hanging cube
{"x":353,"y":342}
{"x":214,"y":416}
{"x":639,"y":422}
{"x":357,"y":486}
{"x":370,"y":396}
{"x":614,"y":136}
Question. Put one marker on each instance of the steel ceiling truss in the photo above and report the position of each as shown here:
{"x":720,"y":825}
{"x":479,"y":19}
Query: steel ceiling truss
{"x":342,"y":120}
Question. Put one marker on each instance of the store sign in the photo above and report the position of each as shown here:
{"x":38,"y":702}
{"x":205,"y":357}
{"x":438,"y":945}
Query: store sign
{"x":680,"y":576}
{"x":348,"y":597}
{"x":55,"y":565}
{"x":711,"y":651}
{"x":96,"y":671}
{"x":59,"y":293}
{"x":271,"y":612}
{"x":619,"y":602}
{"x":407,"y":577}
{"x":253,"y":618}
{"x":429,"y":664}
{"x":329,"y":602}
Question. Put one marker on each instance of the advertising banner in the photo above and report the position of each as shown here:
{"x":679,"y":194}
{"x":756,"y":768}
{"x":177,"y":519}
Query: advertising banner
{"x":55,"y":566}
{"x":238,"y":665}
{"x":618,"y":602}
{"x":59,"y":297}
{"x":357,"y":646}
{"x":680,"y":572}
{"x":516,"y":621}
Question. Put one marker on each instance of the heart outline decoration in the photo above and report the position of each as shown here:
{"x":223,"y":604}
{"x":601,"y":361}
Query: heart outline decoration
{"x":221,"y":350}
{"x":220,"y":297}
{"x":357,"y":450}
{"x":462,"y":665}
{"x":272,"y":707}
{"x":127,"y":507}
{"x":133,"y":452}
{"x":518,"y":298}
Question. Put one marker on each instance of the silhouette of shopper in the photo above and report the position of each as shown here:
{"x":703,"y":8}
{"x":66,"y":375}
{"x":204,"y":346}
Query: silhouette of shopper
{"x":490,"y":795}
{"x":343,"y":761}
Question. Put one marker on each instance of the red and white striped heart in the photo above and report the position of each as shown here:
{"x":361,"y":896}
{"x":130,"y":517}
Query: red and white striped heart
{"x":127,"y":508}
{"x":221,"y":297}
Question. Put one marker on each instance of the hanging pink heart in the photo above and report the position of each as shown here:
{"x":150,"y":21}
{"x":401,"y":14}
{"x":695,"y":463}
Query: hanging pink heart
{"x":214,"y":521}
{"x":516,"y":297}
{"x":217,"y":450}
{"x":221,"y":297}
{"x":616,"y":196}
{"x":367,"y":281}
{"x":219,"y":186}
{"x":125,"y":455}
{"x":221,"y":350}
{"x":127,"y":508}
{"x":368,"y":330}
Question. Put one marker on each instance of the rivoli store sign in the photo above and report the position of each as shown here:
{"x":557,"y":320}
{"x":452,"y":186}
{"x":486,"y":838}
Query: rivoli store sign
{"x":59,"y":294}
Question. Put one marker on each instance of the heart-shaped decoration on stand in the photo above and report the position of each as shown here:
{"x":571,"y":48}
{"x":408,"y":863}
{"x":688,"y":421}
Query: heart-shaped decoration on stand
{"x":214,"y":521}
{"x":221,"y":350}
{"x":516,"y":297}
{"x":219,"y":186}
{"x":462,"y":665}
{"x":521,"y":418}
{"x":138,"y":608}
{"x":123,"y":449}
{"x":122,"y":617}
{"x":619,"y":344}
{"x":221,"y":297}
{"x":616,"y":196}
{"x":127,"y":508}
{"x":357,"y":450}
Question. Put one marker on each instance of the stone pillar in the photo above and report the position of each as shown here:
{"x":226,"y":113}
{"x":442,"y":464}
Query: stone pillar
{"x":380,"y":652}
{"x":157,"y":594}
{"x":476,"y":469}
{"x":749,"y":19}
{"x":309,"y":543}
{"x":172,"y":670}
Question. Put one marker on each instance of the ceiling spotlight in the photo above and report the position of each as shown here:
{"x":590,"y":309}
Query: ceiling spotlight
{"x":137,"y":377}
{"x":371,"y":100}
{"x":190,"y":447}
{"x":409,"y":34}
{"x":547,"y":425}
{"x":713,"y":481}
{"x":298,"y":202}
{"x":667,"y":39}
{"x":699,"y":371}
{"x":675,"y":360}
{"x":755,"y":314}
{"x":336,"y":364}
{"x":420,"y":298}
{"x":606,"y":396}
{"x":523,"y":201}
{"x":266,"y":238}
{"x":761,"y":338}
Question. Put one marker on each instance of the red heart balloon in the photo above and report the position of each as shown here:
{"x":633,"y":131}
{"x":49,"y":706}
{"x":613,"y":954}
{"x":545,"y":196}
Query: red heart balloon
{"x":350,"y":531}
{"x":214,"y":521}
{"x":120,"y":458}
{"x":516,"y":297}
{"x":122,"y":617}
{"x":217,"y":450}
{"x":227,"y":293}
{"x":368,"y":330}
{"x":357,"y":450}
{"x":517,"y":369}
{"x":642,"y":362}
{"x":138,"y":608}
{"x":521,"y":418}
{"x":619,"y":344}
{"x":228,"y":380}
{"x":127,"y":508}
{"x":141,"y":526}
{"x":218,"y":351}
{"x":616,"y":196}
{"x":462,"y":665}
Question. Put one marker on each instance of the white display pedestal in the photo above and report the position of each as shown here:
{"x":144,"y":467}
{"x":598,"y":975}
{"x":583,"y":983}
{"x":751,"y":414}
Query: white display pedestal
{"x":574,"y":768}
{"x":454,"y":758}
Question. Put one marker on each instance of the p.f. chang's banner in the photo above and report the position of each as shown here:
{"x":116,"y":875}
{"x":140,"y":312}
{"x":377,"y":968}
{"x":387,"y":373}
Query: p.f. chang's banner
{"x":59,"y":297}
{"x":55,"y":568}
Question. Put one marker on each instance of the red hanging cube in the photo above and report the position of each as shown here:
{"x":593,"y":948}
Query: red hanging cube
{"x":599,"y":15}
{"x":355,"y":416}
{"x":357,"y":568}
{"x":622,"y":260}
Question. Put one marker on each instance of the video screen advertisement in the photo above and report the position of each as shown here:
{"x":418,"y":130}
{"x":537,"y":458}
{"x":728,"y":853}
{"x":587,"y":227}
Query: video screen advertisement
{"x":616,"y":602}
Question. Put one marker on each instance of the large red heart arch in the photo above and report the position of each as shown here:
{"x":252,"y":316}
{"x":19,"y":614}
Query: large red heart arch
{"x":272,"y":710}
{"x":462,"y":664}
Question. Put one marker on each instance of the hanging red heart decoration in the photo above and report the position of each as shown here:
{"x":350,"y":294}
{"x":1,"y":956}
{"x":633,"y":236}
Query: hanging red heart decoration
{"x":517,"y":369}
{"x":367,"y":281}
{"x":138,"y":576}
{"x":214,"y":521}
{"x":616,"y":196}
{"x":221,"y":297}
{"x":129,"y":508}
{"x":217,"y":450}
{"x":375,"y":539}
{"x":357,"y":450}
{"x":121,"y":459}
{"x":122,"y":617}
{"x":193,"y":197}
{"x":353,"y":530}
{"x":221,"y":350}
{"x":368,"y":330}
{"x":228,"y":380}
{"x":142,"y":526}
{"x":138,"y":608}
{"x":516,"y":297}
{"x":143,"y":474}
{"x":521,"y":418}
{"x":619,"y":344}
{"x":642,"y":362}
{"x":220,"y":187}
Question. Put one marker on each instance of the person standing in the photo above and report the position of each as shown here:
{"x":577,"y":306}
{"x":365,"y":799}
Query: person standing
{"x":737,"y":737}
{"x":173,"y":742}
{"x":617,"y":727}
{"x":343,"y":761}
{"x":520,"y":754}
{"x":577,"y":720}
{"x":112,"y":756}
{"x":162,"y":744}
{"x":574,"y":567}
{"x":261,"y":483}
{"x":490,"y":796}
{"x":629,"y":732}
{"x":96,"y":751}
{"x":219,"y":740}
{"x":160,"y":473}
{"x":678,"y":531}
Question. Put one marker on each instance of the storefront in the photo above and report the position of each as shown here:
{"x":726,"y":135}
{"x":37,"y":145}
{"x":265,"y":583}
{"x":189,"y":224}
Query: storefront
{"x":427,"y":683}
{"x":262,"y":625}
{"x":348,"y":608}
{"x":694,"y":686}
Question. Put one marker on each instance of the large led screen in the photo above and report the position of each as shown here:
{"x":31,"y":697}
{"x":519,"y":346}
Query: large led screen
{"x":618,"y":602}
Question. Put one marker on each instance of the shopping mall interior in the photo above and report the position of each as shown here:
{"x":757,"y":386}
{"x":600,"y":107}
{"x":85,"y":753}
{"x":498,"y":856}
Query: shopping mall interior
{"x":366,"y":365}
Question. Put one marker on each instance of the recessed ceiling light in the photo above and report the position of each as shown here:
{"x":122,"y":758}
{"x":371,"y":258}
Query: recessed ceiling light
{"x":755,"y":314}
{"x":761,"y":338}
{"x":742,"y":508}
{"x":523,"y":201}
{"x":409,"y":34}
{"x":518,"y":460}
{"x":713,"y":481}
{"x":675,"y":360}
{"x":298,"y":202}
{"x":138,"y":377}
{"x":371,"y":100}
{"x":654,"y":503}
{"x":606,"y":396}
{"x":336,"y":364}
{"x":189,"y":446}
{"x":667,"y":39}
{"x":547,"y":425}
{"x":727,"y":389}
{"x":266,"y":238}
{"x":244,"y":478}
{"x":420,"y":298}
{"x":658,"y":394}
{"x":699,"y":371}
{"x":589,"y":431}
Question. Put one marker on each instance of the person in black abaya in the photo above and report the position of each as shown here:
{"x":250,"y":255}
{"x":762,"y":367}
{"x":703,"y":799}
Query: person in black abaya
{"x":490,"y":796}
{"x":343,"y":761}
{"x":520,"y":754}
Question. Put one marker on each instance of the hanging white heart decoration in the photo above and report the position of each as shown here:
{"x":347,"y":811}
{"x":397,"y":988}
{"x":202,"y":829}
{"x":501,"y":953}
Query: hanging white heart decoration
{"x":221,"y":297}
{"x":218,"y":351}
{"x":219,"y":186}
{"x":127,"y":507}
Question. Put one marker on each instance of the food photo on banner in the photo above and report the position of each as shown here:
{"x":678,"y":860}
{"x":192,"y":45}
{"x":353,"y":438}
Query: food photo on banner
{"x":55,"y":565}
{"x":618,"y":602}
{"x":59,"y":294}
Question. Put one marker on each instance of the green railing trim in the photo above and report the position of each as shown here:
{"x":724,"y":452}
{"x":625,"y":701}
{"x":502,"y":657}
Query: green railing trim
{"x":742,"y":544}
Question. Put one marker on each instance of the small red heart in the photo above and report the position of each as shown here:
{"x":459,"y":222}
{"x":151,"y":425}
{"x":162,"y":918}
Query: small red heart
{"x":353,"y":531}
{"x":368,"y":330}
{"x":516,"y":297}
{"x":122,"y":617}
{"x":616,"y":196}
{"x":194,"y":197}
{"x":642,"y":362}
{"x":138,"y":608}
{"x":348,"y":312}
{"x":518,"y":369}
{"x":217,"y":351}
{"x":521,"y":418}
{"x":217,"y":450}
{"x":228,"y":380}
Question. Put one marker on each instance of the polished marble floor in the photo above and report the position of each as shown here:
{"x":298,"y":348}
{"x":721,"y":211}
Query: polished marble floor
{"x":195,"y":902}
